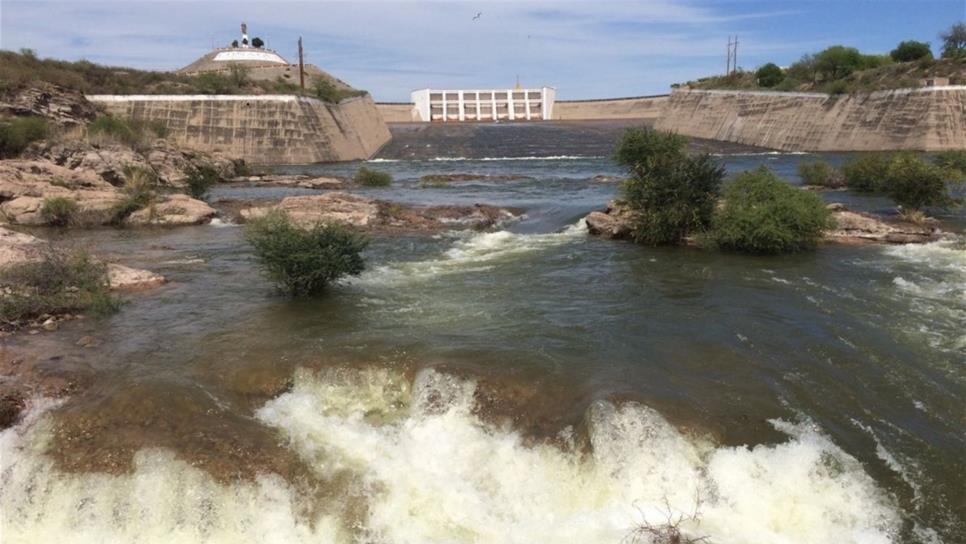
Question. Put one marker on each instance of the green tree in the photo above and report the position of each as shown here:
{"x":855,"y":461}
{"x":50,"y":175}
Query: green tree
{"x":672,"y":195}
{"x":769,"y":75}
{"x":257,"y":43}
{"x":764,"y":214}
{"x":304,"y":261}
{"x":911,"y":50}
{"x":838,"y":61}
{"x":954,"y":41}
{"x":199,"y":179}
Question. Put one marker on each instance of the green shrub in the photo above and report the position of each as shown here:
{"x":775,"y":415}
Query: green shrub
{"x":769,"y":75}
{"x":58,"y":283}
{"x":17,"y":133}
{"x":866,"y":172}
{"x":372,"y":178}
{"x":130,"y":132}
{"x":914,"y":183}
{"x":954,"y":41}
{"x":58,"y":211}
{"x":837,"y":87}
{"x":671,"y":194}
{"x":911,"y":50}
{"x":139,"y":192}
{"x":200,"y":178}
{"x":304,"y":261}
{"x":819,"y":173}
{"x":764,"y":214}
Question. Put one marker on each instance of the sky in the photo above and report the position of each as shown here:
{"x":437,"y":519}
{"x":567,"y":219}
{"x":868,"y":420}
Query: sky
{"x":586,"y":49}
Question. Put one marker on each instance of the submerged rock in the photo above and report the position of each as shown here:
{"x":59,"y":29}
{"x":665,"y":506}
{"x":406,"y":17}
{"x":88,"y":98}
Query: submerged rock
{"x":19,"y":248}
{"x":301,"y":181}
{"x":366,"y":213}
{"x":127,"y":278}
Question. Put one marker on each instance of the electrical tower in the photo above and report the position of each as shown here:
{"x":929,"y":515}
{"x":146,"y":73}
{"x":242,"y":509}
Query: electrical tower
{"x":732,"y":63}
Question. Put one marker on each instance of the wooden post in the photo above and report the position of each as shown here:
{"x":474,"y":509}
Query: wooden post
{"x":301,"y":65}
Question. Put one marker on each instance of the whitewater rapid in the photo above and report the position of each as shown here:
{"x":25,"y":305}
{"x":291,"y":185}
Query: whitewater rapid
{"x":428,"y":468}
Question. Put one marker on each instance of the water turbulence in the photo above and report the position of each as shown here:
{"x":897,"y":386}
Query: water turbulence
{"x":414,"y":460}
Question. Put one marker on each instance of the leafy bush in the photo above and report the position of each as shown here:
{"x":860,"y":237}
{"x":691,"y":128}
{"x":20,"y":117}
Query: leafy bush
{"x":671,"y":194}
{"x":140,"y":191}
{"x":60,"y":282}
{"x":372,"y":178}
{"x":304,"y":261}
{"x":769,"y":75}
{"x":257,"y":43}
{"x":819,"y":173}
{"x":763,"y":214}
{"x":911,"y":50}
{"x":865,"y":173}
{"x":837,"y":87}
{"x":17,"y":133}
{"x":914,"y":183}
{"x":200,"y":179}
{"x":58,"y":211}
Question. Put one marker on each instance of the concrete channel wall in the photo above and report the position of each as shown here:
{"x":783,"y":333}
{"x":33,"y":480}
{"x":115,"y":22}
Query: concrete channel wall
{"x":263,"y":129}
{"x":928,"y":119}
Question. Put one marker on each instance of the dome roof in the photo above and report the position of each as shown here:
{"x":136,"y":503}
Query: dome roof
{"x":220,"y":59}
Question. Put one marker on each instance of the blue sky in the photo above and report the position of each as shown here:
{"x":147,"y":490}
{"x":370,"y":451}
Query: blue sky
{"x":586,"y":49}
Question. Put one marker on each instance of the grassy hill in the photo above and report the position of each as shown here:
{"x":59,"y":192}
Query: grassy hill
{"x":19,"y":70}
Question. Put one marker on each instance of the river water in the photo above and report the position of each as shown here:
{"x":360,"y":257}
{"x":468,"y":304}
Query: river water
{"x":526,"y":384}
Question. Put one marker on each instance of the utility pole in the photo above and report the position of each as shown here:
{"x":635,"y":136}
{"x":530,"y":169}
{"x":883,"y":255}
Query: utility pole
{"x":734,"y":66}
{"x":301,"y":65}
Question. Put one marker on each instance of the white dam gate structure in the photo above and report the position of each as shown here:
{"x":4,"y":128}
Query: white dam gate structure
{"x":452,"y":105}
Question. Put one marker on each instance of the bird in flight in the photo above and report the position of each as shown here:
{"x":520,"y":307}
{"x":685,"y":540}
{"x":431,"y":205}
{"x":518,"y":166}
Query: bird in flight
{"x":477,"y":16}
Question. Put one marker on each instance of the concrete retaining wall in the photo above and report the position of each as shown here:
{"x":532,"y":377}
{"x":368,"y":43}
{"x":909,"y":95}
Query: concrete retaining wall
{"x":268,"y":129}
{"x":928,"y":119}
{"x":397,"y":112}
{"x":642,"y":107}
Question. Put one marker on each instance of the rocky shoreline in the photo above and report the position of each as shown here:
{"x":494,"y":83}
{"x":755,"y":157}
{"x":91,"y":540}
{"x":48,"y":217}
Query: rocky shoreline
{"x":615,"y":223}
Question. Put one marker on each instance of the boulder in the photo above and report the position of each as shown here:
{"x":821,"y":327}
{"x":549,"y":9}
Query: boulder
{"x":58,"y":104}
{"x":174,"y":210}
{"x":613,"y":223}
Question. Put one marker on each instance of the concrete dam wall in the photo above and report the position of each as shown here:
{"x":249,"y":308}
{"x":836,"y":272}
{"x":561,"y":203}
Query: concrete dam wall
{"x":640,"y":107}
{"x":928,"y":119}
{"x":266,"y":129}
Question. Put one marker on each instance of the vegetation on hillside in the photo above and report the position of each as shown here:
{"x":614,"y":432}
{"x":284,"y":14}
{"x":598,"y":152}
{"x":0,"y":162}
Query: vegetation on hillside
{"x":671,"y":193}
{"x":17,"y":133}
{"x":58,"y":283}
{"x":764,"y":214}
{"x":304,"y":261}
{"x":19,"y":70}
{"x":840,"y":69}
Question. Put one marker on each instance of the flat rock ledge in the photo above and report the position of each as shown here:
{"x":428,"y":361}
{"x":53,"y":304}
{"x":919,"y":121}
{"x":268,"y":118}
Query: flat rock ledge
{"x":851,"y":227}
{"x":26,"y":184}
{"x":19,"y":248}
{"x":378,"y":215}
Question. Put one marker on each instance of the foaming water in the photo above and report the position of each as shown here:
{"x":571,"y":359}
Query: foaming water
{"x":429,"y":469}
{"x":476,"y":253}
